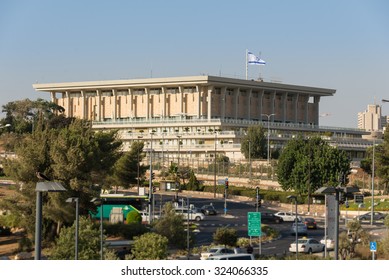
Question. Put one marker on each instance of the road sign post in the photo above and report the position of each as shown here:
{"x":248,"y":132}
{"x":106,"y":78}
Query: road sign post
{"x":373,"y":248}
{"x":254,"y":226}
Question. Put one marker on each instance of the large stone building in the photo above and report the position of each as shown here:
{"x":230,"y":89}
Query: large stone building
{"x":197,"y":116}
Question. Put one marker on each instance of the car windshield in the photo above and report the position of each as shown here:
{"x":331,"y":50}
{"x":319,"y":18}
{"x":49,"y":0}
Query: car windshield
{"x":213,"y":250}
{"x":302,"y":241}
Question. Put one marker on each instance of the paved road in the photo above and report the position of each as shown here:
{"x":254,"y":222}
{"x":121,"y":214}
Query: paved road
{"x":236,"y":217}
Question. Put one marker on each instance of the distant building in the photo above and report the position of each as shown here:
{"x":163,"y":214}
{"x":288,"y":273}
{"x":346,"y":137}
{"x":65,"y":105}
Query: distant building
{"x":371,"y":119}
{"x":200,"y":116}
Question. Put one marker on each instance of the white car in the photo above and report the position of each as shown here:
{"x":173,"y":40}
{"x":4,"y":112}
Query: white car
{"x":287,"y":216}
{"x":307,"y":245}
{"x":330,"y":243}
{"x":301,"y":229}
{"x":215,"y":251}
{"x":193,"y":215}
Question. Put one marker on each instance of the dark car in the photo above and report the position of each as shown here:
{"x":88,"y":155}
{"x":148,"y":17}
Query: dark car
{"x":208,"y":210}
{"x":377,"y":216}
{"x":5,"y":231}
{"x":310,"y":223}
{"x":270,"y":218}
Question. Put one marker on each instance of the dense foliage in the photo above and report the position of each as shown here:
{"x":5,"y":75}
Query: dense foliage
{"x":255,"y":141}
{"x":74,"y":155}
{"x":305,"y":165}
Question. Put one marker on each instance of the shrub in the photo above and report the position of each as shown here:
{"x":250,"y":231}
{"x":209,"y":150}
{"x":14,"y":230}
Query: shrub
{"x":133,"y":217}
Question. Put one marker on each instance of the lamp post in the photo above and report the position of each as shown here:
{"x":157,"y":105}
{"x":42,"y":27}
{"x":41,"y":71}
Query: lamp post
{"x":372,"y":183}
{"x":138,"y":164}
{"x":47,"y":186}
{"x":178,"y":165}
{"x":250,"y":162}
{"x":293,"y":197}
{"x":214,"y":171}
{"x":151,"y":179}
{"x":268,"y":135}
{"x":71,"y":200}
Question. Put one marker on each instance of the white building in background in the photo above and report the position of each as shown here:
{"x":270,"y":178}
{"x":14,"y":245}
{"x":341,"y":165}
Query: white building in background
{"x":200,"y":116}
{"x":371,"y":119}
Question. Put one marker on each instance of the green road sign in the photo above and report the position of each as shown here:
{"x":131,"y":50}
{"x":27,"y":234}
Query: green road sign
{"x":254,"y":223}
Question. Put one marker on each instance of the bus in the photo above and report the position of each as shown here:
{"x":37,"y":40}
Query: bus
{"x":127,"y":203}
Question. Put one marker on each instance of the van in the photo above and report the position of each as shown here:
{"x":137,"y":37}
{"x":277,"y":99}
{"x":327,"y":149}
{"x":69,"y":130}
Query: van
{"x":232,"y":257}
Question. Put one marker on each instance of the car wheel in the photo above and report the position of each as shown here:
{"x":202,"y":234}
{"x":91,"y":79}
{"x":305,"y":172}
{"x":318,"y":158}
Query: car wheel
{"x":198,"y":219}
{"x":310,"y":251}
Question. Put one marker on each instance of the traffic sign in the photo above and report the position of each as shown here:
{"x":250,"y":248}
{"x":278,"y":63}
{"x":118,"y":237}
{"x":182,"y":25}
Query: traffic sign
{"x":358,"y":198}
{"x":254,"y":223}
{"x":373,"y":246}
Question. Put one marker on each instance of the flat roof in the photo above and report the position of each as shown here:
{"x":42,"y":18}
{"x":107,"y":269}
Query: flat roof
{"x":173,"y":81}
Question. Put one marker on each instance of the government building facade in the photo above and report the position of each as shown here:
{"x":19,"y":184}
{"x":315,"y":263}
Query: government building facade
{"x":200,"y":116}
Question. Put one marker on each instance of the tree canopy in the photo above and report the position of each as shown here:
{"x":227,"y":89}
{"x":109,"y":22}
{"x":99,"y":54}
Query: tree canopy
{"x":305,"y":165}
{"x":255,"y":141}
{"x":75,"y":155}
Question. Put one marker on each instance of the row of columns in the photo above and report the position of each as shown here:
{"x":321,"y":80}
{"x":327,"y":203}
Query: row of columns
{"x":204,"y":94}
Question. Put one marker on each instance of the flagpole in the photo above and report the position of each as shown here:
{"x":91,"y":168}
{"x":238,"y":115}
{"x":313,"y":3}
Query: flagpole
{"x":247,"y":67}
{"x":259,"y":67}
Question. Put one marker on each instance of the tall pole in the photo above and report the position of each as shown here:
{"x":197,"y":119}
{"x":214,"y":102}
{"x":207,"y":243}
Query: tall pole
{"x":268,"y":135}
{"x":151,"y":179}
{"x":372,"y":184}
{"x":187,"y":229}
{"x":101,"y":229}
{"x":250,"y":161}
{"x":77,"y":229}
{"x":336,"y":249}
{"x":178,"y":165}
{"x":296,"y":221}
{"x":38,"y":225}
{"x":214,"y":171}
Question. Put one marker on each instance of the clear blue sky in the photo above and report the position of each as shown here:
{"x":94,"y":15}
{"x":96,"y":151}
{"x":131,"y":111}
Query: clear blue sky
{"x":342,"y":45}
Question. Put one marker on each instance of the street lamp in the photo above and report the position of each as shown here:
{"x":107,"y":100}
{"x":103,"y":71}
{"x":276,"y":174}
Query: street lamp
{"x":47,"y":186}
{"x":268,"y":135}
{"x":293,"y":197}
{"x":372,"y":182}
{"x":214,"y":170}
{"x":250,"y":161}
{"x":71,"y":200}
{"x":138,"y":179}
{"x":178,"y":165}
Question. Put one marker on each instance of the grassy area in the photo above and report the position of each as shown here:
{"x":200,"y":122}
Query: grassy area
{"x":380,"y":204}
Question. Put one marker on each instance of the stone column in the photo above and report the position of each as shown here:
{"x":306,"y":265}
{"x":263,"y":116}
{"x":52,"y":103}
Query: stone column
{"x":98,"y":113}
{"x":147,"y":103}
{"x":316,"y":110}
{"x":198,"y":90}
{"x":250,"y":91}
{"x":295,"y":106}
{"x":284,"y":102}
{"x":236,"y":109}
{"x":223,"y":103}
{"x":209,"y":99}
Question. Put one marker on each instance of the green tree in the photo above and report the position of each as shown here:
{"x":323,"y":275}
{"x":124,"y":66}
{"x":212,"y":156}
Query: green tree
{"x":75,"y":155}
{"x":125,"y":171}
{"x":255,"y":141}
{"x":171,"y":226}
{"x":150,"y":246}
{"x":193,"y":183}
{"x":381,"y":162}
{"x":22,"y":115}
{"x":225,"y":236}
{"x":88,"y":242}
{"x":305,"y":165}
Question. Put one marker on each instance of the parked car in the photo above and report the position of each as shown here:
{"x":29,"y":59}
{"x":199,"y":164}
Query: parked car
{"x":208,"y":210}
{"x":145,"y":216}
{"x":193,"y":214}
{"x":310,"y":223}
{"x":377,"y":216}
{"x":232,"y":257}
{"x":5,"y":231}
{"x":301,"y":229}
{"x":214,"y":251}
{"x":287,"y":216}
{"x":270,"y":218}
{"x":330,"y":243}
{"x":306,"y":245}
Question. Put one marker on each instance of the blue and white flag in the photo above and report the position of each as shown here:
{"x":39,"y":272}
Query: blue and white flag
{"x":253,"y":59}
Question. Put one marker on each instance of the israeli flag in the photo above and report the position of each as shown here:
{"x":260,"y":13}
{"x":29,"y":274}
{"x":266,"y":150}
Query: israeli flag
{"x":253,"y":59}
